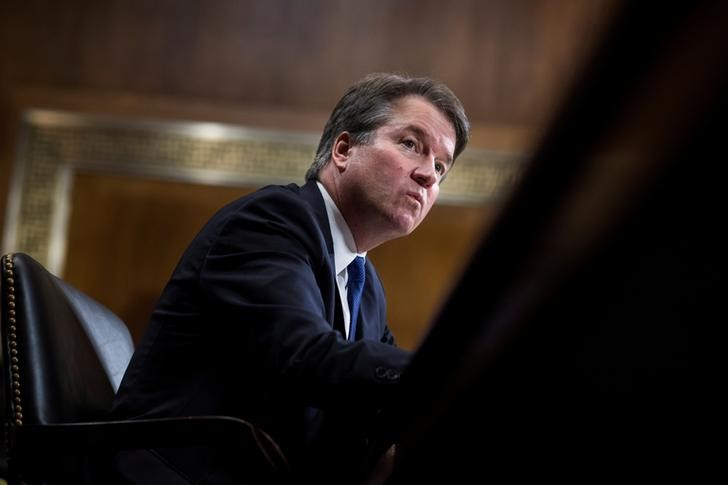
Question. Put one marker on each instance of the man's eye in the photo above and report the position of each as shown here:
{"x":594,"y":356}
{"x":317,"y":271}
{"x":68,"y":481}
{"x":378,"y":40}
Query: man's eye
{"x":409,"y":144}
{"x":440,"y":168}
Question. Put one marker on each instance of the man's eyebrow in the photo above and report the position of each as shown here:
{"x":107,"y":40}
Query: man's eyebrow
{"x":417,"y":130}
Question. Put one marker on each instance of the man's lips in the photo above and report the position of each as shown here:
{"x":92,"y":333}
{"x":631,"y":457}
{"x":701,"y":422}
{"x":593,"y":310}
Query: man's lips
{"x":417,"y":197}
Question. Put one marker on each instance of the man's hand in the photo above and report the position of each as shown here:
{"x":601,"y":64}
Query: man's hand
{"x":382,"y":468}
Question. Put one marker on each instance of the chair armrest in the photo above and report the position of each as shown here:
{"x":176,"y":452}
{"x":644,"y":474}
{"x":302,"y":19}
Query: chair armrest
{"x":108,"y":436}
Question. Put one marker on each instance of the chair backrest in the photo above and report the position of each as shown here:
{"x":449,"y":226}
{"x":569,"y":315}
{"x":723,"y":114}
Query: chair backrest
{"x":64,"y":353}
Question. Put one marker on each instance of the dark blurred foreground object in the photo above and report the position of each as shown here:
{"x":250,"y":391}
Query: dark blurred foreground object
{"x":63,"y":356}
{"x":582,"y":341}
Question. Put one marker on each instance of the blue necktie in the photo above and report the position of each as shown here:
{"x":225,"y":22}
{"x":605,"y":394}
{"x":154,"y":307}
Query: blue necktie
{"x":355,"y":286}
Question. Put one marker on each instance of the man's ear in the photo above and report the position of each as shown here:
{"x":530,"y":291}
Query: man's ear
{"x":341,"y":150}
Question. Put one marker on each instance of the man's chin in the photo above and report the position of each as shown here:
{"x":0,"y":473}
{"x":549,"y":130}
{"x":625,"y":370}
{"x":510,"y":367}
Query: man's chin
{"x":404,"y":224}
{"x":407,"y":228}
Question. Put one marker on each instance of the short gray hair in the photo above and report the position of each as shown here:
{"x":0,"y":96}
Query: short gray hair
{"x":367,"y":105}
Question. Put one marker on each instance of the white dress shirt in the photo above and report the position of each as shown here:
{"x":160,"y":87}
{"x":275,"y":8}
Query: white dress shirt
{"x":344,"y":250}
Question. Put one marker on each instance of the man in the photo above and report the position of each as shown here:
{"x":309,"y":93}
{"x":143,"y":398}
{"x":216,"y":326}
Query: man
{"x":257,"y":321}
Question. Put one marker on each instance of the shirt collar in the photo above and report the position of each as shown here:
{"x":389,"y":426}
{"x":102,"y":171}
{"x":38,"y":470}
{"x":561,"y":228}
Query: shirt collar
{"x":344,"y":246}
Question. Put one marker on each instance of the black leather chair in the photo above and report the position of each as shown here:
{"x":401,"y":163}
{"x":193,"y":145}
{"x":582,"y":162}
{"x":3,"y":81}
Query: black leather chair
{"x":63,"y":355}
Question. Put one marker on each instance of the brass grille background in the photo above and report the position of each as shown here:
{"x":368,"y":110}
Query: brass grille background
{"x":55,"y":144}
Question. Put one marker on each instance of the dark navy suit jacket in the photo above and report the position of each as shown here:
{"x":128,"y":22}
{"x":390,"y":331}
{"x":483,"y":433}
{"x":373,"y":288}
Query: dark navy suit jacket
{"x":250,"y":325}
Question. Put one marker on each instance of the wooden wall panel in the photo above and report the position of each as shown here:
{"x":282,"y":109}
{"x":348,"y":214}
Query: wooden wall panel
{"x":126,"y":235}
{"x":276,"y":64}
{"x":419,"y":270}
{"x":505,"y":58}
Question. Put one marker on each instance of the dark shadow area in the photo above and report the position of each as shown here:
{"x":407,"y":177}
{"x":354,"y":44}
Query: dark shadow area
{"x":581,"y":342}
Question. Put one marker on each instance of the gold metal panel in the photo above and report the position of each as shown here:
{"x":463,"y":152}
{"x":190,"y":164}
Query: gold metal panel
{"x":54,"y":145}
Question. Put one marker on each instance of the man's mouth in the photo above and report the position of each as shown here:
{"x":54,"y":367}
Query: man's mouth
{"x":416,"y":197}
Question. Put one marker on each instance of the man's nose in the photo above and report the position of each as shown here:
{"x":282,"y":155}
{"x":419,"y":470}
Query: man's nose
{"x":425,"y":174}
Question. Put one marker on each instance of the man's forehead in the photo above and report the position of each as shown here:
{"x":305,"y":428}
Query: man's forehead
{"x":418,"y":113}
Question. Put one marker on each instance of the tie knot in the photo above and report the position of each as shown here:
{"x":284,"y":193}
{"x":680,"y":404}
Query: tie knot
{"x":356,"y":270}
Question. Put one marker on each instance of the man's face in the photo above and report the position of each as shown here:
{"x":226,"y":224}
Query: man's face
{"x":390,"y":183}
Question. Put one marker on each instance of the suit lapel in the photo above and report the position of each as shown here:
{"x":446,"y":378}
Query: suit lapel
{"x":311,"y":194}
